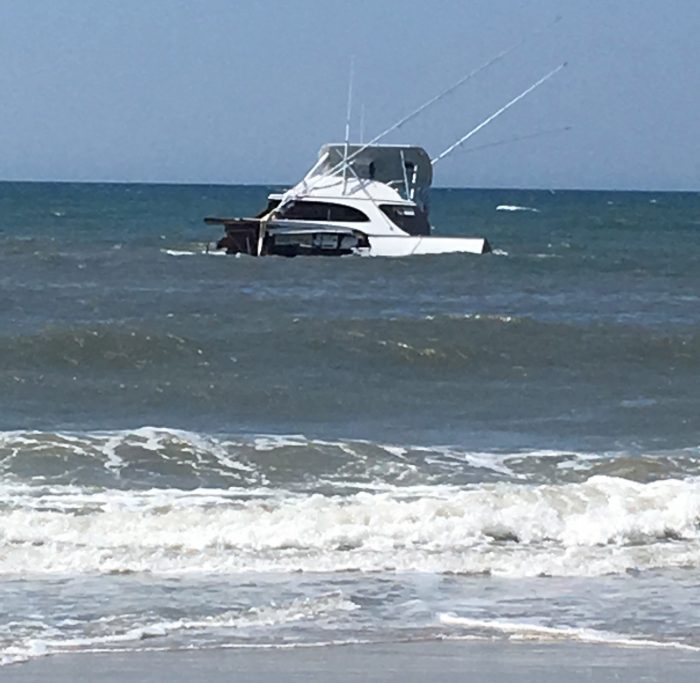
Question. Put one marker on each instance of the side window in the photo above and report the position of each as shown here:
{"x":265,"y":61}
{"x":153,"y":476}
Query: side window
{"x":409,"y":218}
{"x":339,"y":212}
{"x":310,"y":211}
{"x":322,"y":211}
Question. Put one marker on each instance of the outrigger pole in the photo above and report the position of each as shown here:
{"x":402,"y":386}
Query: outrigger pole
{"x":347,"y":125}
{"x":347,"y":158}
{"x":496,"y":114}
{"x":409,"y":117}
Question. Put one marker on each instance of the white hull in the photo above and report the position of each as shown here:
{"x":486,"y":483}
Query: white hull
{"x":409,"y":245}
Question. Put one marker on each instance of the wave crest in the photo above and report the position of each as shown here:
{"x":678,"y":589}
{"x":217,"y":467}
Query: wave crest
{"x":603,"y":525}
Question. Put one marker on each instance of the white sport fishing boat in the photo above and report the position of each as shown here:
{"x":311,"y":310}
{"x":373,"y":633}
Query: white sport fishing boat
{"x":366,"y":199}
{"x":376,"y":204}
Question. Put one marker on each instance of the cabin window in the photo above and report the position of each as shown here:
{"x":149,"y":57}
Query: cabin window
{"x":322,"y":211}
{"x":409,"y":218}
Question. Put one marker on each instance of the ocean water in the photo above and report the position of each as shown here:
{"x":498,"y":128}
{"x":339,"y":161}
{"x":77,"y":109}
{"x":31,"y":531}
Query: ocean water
{"x":202,"y":451}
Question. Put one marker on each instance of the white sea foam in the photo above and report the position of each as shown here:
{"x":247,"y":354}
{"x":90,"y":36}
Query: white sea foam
{"x":178,"y":252}
{"x":193,"y":252}
{"x":19,"y":654}
{"x":604,"y":525}
{"x":51,"y":641}
{"x":518,"y":630}
{"x":515,"y":207}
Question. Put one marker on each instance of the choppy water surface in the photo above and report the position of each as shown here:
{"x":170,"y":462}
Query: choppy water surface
{"x":206,"y":451}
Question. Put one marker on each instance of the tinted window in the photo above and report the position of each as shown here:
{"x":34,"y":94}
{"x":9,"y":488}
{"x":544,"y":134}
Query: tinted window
{"x":409,"y":218}
{"x":322,"y":211}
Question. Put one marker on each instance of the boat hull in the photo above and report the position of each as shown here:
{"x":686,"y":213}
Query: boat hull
{"x":248,"y":236}
{"x":410,"y":245}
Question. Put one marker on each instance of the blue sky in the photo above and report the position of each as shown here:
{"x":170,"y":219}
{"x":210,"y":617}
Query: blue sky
{"x":232,"y":91}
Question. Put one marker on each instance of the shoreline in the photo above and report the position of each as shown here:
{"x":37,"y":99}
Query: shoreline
{"x":448,"y":661}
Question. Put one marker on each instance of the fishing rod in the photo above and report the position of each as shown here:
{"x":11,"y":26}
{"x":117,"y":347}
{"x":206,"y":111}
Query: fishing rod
{"x":517,"y":138}
{"x":496,"y":114}
{"x":436,"y":98}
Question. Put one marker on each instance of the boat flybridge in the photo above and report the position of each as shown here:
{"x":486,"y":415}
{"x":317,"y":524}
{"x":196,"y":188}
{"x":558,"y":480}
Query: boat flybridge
{"x":357,"y":199}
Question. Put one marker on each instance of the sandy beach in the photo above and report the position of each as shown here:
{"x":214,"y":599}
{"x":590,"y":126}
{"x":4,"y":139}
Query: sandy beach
{"x":406,"y":662}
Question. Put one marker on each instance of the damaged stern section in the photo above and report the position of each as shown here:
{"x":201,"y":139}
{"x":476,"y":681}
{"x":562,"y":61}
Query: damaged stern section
{"x":258,"y":237}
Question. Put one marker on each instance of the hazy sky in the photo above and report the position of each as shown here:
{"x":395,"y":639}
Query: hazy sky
{"x":233,"y":91}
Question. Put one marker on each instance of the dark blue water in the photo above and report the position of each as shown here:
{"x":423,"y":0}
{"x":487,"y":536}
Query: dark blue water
{"x":582,"y":330}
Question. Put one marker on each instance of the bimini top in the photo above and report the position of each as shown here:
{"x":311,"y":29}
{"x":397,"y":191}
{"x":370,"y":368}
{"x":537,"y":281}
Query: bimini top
{"x":390,"y":164}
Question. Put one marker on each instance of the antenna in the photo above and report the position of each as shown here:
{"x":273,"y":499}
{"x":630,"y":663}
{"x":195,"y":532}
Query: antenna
{"x":496,"y":114}
{"x":347,"y":123}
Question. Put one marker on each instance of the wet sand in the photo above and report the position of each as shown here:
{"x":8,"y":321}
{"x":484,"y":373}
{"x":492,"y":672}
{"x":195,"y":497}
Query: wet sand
{"x":446,"y":662}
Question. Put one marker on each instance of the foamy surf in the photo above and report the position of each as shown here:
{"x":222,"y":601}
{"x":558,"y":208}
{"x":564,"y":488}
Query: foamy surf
{"x":123,"y":633}
{"x":515,"y":207}
{"x":515,"y":630}
{"x":601,"y":526}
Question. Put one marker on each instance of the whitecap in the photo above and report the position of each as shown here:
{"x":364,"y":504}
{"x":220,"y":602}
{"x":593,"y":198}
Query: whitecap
{"x":515,"y":207}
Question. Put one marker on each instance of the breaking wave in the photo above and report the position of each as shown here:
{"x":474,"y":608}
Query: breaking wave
{"x":599,"y":526}
{"x":150,"y":458}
